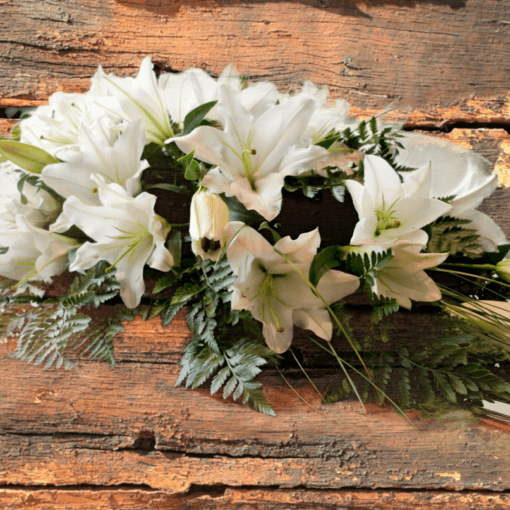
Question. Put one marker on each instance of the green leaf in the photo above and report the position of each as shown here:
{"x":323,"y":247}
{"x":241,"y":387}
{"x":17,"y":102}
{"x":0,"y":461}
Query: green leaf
{"x":183,"y":190}
{"x":276,"y":235}
{"x":29,"y":158}
{"x":457,"y":384}
{"x":238,"y":212}
{"x":16,"y":132}
{"x":169,"y":313}
{"x":256,"y":399}
{"x":448,"y":234}
{"x":325,"y":260}
{"x":219,"y":379}
{"x":229,"y":387}
{"x":444,"y":388}
{"x":166,"y":281}
{"x":338,"y":191}
{"x":381,"y":307}
{"x":195,"y":116}
{"x":186,"y":293}
{"x":174,"y":246}
{"x":191,"y":167}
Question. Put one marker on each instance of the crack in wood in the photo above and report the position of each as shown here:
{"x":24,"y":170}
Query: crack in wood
{"x":452,"y":124}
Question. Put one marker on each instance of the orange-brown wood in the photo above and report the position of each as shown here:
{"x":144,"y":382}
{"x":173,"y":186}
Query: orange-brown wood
{"x":235,"y":499}
{"x":98,"y":437}
{"x":6,"y":126}
{"x":448,"y":60}
{"x":130,"y":425}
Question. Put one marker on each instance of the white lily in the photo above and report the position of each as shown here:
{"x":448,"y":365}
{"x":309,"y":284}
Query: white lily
{"x":404,"y":278}
{"x":208,"y":219}
{"x":33,"y":253}
{"x":254,"y":156}
{"x":40,"y":208}
{"x":186,"y":91}
{"x":458,"y":172}
{"x":325,"y":118}
{"x":390,"y":210}
{"x":55,"y":127}
{"x":274,"y":292}
{"x":116,"y":158}
{"x":139,"y":98}
{"x":128,"y":235}
{"x":455,"y":170}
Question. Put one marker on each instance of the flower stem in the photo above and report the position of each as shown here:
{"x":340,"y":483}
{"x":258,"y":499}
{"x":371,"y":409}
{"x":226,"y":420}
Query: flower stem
{"x":328,"y":308}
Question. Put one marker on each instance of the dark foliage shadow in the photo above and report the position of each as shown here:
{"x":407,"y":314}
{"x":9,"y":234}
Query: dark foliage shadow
{"x":353,"y":8}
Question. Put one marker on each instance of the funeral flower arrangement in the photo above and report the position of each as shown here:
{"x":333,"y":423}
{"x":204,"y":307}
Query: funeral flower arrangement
{"x":158,"y":193}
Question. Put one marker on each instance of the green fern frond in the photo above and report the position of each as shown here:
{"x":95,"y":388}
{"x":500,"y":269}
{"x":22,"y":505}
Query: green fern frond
{"x":448,"y":234}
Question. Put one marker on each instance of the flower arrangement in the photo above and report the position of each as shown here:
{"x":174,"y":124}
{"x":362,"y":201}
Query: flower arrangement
{"x":95,"y":183}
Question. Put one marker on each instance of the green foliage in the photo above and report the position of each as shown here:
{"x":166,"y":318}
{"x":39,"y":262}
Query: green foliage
{"x":196,"y":116}
{"x":366,"y":266}
{"x":49,"y":329}
{"x":326,"y":259}
{"x":312,"y":185}
{"x":238,"y":212}
{"x":191,"y":167}
{"x":214,"y":352}
{"x":450,"y":369}
{"x":368,"y":138}
{"x":309,"y":185}
{"x":448,"y":234}
{"x":265,"y":226}
{"x":381,"y":307}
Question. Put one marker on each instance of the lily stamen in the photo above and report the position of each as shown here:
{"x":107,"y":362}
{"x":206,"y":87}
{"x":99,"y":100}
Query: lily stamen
{"x":385,"y":218}
{"x":267,"y":290}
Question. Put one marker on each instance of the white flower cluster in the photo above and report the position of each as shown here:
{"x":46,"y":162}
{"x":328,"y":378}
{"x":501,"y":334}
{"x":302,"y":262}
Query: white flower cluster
{"x":254,"y":138}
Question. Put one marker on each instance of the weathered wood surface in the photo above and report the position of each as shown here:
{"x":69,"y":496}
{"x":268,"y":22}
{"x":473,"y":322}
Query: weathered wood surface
{"x":235,"y":499}
{"x":129,"y":425}
{"x":447,"y":59}
{"x":126,"y":438}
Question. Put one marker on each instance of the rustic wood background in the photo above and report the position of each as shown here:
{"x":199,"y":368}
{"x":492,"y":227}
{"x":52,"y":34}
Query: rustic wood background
{"x":125,"y":438}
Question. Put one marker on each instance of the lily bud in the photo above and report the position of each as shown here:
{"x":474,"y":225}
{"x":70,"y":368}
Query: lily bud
{"x":208,"y":218}
{"x":503,"y":269}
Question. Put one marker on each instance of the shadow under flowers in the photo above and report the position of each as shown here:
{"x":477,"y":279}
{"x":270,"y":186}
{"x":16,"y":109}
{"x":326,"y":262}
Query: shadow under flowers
{"x":353,"y":8}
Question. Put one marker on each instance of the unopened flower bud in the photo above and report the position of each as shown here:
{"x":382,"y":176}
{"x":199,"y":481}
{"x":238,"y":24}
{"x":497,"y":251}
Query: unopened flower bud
{"x":208,"y":218}
{"x":503,"y":269}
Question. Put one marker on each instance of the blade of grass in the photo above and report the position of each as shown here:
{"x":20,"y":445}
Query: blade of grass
{"x":306,"y":375}
{"x":294,"y":390}
{"x":333,"y":353}
{"x":328,"y":308}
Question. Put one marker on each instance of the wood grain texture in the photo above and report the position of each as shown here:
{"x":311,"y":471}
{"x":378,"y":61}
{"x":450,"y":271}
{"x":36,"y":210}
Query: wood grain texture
{"x":235,"y":499}
{"x":126,"y":438}
{"x":104,"y":427}
{"x":130,"y":425}
{"x":447,"y":59}
{"x":6,"y":126}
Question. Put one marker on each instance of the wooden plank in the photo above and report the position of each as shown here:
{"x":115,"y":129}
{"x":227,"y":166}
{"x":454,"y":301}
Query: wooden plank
{"x":130,"y":425}
{"x":448,"y":60}
{"x":6,"y":126}
{"x":234,"y":499}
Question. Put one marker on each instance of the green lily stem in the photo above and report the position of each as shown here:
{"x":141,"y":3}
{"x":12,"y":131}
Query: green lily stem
{"x":476,"y":266}
{"x":342,"y":366}
{"x":294,"y":390}
{"x":333,"y":352}
{"x":306,"y":375}
{"x":460,"y":273}
{"x":328,"y":308}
